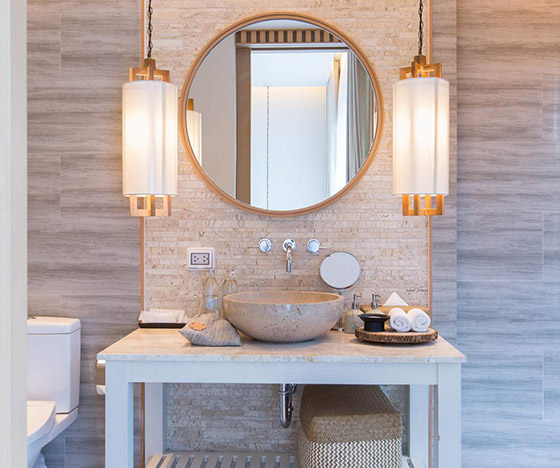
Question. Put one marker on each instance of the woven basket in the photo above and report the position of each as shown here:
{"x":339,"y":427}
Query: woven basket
{"x":382,"y":453}
{"x":348,"y":426}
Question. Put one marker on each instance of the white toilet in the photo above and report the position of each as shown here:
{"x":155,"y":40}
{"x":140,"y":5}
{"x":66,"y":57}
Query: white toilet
{"x":53,"y":381}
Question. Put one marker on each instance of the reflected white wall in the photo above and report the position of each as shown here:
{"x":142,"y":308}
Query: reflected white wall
{"x":214,"y":91}
{"x":296,"y":147}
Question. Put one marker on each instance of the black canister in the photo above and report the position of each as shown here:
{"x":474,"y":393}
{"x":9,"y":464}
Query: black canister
{"x":374,"y":322}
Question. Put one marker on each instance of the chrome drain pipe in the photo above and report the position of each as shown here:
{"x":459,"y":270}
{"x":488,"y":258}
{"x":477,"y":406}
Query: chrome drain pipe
{"x":286,"y":409}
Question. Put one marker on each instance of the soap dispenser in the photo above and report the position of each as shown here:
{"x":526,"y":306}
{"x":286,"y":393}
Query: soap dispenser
{"x":375,"y":304}
{"x":351,"y":320}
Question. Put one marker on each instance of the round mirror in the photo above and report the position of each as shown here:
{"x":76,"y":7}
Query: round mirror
{"x":281,"y":114}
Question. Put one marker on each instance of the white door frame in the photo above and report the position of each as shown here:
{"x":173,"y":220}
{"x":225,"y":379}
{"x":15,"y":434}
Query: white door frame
{"x":13,"y":233}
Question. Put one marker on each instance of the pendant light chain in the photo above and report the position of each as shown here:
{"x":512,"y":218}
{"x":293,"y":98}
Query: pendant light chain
{"x":420,"y":28}
{"x":150,"y":29}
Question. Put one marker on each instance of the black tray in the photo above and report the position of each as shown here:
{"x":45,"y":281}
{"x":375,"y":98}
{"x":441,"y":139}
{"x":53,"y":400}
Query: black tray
{"x":161,"y":325}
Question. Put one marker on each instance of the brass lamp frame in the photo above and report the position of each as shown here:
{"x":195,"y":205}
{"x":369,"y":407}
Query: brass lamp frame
{"x":419,"y":68}
{"x":148,"y":203}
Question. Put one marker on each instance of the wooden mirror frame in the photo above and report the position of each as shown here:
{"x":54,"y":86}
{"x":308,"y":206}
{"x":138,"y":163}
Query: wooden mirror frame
{"x":194,"y":69}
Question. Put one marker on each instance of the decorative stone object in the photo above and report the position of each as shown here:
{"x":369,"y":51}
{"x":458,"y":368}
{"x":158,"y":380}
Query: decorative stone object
{"x":209,"y":330}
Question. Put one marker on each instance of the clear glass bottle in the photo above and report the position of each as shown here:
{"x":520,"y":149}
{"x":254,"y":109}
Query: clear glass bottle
{"x":210,"y":295}
{"x":229,"y":286}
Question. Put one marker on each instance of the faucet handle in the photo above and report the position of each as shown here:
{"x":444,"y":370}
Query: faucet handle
{"x":313,"y":246}
{"x":265,"y":245}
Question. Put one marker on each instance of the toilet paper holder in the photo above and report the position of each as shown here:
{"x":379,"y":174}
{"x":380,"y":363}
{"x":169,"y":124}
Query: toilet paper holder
{"x":99,"y":376}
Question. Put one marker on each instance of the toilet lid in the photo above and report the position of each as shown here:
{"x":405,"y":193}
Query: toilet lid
{"x":40,"y":418}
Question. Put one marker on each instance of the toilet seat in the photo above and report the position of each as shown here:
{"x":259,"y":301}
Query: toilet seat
{"x":40,"y":419}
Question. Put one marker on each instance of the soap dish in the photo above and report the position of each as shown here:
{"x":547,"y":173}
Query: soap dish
{"x":374,"y":322}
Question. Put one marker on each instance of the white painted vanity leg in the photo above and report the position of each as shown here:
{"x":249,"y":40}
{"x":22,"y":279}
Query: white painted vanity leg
{"x":418,"y":424}
{"x":119,"y":432}
{"x":448,"y":417}
{"x":154,"y":414}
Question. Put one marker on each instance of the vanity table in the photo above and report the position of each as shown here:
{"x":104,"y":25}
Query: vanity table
{"x":158,"y":356}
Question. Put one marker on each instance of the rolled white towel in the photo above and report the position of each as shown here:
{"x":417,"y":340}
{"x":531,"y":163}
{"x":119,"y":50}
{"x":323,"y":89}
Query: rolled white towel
{"x":419,"y":320}
{"x":399,"y":321}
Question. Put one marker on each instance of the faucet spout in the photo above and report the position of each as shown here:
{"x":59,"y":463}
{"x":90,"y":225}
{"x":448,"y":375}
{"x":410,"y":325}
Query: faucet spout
{"x":289,"y":246}
{"x":289,"y":259}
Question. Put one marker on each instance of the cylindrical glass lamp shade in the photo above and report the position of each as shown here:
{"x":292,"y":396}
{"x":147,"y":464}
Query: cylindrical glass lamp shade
{"x":149,"y":138}
{"x":421,"y":136}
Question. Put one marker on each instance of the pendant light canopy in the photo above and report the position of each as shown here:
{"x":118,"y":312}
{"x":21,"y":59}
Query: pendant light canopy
{"x":421,"y":136}
{"x":149,"y":137}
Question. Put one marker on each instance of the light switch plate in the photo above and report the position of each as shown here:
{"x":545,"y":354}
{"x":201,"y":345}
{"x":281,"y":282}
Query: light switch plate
{"x":201,"y":258}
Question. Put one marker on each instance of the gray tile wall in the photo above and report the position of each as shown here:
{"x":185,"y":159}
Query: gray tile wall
{"x":507,"y":231}
{"x":83,"y":245}
{"x":444,"y":228}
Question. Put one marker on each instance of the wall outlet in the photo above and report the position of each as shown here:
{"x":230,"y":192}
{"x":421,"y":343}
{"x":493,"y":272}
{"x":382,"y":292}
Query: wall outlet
{"x":201,"y":258}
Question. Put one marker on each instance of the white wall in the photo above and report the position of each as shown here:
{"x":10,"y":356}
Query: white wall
{"x":214,"y":91}
{"x":297,"y":147}
{"x":13,"y":234}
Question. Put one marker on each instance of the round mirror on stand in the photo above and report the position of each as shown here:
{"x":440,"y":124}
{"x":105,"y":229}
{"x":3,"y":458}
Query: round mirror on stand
{"x":281,"y":114}
{"x":340,"y":270}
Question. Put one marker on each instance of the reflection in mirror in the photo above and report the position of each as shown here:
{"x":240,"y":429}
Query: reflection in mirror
{"x":281,"y":115}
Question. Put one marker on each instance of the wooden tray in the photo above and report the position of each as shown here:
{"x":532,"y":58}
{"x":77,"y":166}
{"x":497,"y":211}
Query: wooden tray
{"x":394,"y":337}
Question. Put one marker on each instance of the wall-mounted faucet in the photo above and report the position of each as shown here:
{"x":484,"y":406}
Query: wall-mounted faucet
{"x":289,"y":245}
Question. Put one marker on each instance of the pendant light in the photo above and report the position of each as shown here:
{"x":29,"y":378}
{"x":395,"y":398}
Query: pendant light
{"x":149,"y":137}
{"x":421,"y":135}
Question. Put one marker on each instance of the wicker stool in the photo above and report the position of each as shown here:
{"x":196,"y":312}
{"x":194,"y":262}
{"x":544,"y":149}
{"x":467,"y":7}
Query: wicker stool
{"x":348,"y":426}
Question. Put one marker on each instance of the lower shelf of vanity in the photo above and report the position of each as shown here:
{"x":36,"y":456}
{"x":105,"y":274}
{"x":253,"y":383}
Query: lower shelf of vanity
{"x":236,"y":460}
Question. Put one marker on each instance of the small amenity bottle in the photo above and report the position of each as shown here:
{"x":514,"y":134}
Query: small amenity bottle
{"x":210,"y":295}
{"x":229,"y":286}
{"x":351,"y":320}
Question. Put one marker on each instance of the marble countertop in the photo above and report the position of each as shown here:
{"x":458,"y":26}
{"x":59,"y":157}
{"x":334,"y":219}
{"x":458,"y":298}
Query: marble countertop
{"x":332,"y":347}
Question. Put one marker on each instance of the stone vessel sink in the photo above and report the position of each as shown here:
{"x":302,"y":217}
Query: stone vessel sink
{"x":283,"y":316}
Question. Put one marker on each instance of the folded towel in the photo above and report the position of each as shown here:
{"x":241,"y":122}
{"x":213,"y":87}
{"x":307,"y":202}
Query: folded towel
{"x":420,"y":320}
{"x":394,"y":301}
{"x":399,"y":321}
{"x":162,"y":316}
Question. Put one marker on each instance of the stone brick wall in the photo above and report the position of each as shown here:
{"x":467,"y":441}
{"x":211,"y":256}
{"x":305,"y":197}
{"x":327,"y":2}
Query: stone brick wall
{"x":367,"y":222}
